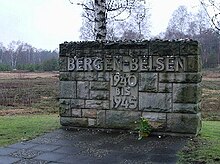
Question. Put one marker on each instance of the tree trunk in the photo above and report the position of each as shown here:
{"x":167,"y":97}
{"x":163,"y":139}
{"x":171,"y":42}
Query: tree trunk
{"x":100,"y":20}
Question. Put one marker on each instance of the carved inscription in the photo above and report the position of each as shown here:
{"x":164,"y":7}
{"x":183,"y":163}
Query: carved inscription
{"x":128,"y":64}
{"x":124,"y":91}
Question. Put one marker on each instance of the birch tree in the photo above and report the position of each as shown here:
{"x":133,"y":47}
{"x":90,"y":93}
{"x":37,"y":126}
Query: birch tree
{"x":101,"y":12}
{"x":178,"y":24}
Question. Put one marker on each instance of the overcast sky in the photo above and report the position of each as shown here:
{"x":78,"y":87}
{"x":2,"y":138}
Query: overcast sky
{"x":47,"y":23}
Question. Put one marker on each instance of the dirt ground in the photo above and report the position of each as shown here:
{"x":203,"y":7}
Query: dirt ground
{"x":28,"y":93}
{"x":207,"y":75}
{"x":211,"y":95}
{"x":28,"y":75}
{"x":17,"y":111}
{"x":211,"y":75}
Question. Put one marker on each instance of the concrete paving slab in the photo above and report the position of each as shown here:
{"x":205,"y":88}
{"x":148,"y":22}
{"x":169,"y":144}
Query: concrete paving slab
{"x":31,"y":161}
{"x":22,"y":145}
{"x":45,"y":147}
{"x":7,"y":151}
{"x":51,"y":156}
{"x":8,"y":159}
{"x":25,"y":153}
{"x":93,"y":146}
{"x":68,"y":150}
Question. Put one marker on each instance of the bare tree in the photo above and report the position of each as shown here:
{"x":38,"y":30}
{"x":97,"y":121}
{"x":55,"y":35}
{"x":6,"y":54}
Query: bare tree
{"x":101,"y":12}
{"x":177,"y":26}
{"x":141,"y":15}
{"x":87,"y":30}
{"x":137,"y":26}
{"x":202,"y":20}
{"x":212,"y":8}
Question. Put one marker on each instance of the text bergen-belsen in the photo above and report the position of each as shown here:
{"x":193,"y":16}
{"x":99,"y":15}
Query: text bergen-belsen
{"x":143,"y":64}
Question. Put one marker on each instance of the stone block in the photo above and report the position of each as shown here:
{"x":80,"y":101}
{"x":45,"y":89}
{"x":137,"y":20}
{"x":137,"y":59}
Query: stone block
{"x":164,"y":48}
{"x":71,"y":53}
{"x":79,"y":76}
{"x":97,"y":104}
{"x":79,"y":52}
{"x":186,"y":108}
{"x":126,"y":63}
{"x":165,"y":87}
{"x":156,"y":102}
{"x":134,"y":52}
{"x":148,"y":82}
{"x":193,"y":64}
{"x":100,"y":120}
{"x":83,"y":89}
{"x":124,"y":102}
{"x":121,"y":52}
{"x":103,"y":76}
{"x":99,"y":95}
{"x":63,"y":63}
{"x":68,"y":48}
{"x":156,"y":120}
{"x":65,"y":101}
{"x":77,"y":103}
{"x":180,"y":77}
{"x":67,"y":76}
{"x":76,"y":112}
{"x":153,"y":116}
{"x":89,"y":113}
{"x":184,"y":123}
{"x":90,"y":76}
{"x":87,"y":52}
{"x":122,"y":119}
{"x":97,"y":85}
{"x":189,"y":48}
{"x":73,"y":76}
{"x":97,"y":52}
{"x":91,"y":122}
{"x":63,"y":50}
{"x":67,"y":89}
{"x":75,"y":122}
{"x":193,"y":77}
{"x":187,"y":93}
{"x":64,"y":110}
{"x":144,"y":51}
{"x":124,"y":93}
{"x":64,"y":76}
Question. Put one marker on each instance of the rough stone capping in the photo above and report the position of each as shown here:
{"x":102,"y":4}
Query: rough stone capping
{"x":113,"y":84}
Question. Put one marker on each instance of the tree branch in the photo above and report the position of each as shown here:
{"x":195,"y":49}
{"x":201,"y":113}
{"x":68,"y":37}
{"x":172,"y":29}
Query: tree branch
{"x":85,"y":7}
{"x":212,"y":18}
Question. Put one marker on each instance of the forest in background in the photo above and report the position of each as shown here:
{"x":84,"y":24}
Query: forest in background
{"x":23,"y":56}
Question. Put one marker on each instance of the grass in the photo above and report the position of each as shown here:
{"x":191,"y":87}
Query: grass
{"x":206,"y":147}
{"x":211,"y":100}
{"x":18,"y":128}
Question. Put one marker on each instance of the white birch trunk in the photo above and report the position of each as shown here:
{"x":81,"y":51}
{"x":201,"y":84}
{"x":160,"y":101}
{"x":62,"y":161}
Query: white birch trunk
{"x":100,"y":20}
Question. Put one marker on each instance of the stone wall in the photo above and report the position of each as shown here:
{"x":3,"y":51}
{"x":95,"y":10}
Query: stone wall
{"x":113,"y":84}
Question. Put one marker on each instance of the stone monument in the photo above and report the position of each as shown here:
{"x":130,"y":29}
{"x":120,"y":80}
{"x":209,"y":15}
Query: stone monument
{"x":112,"y":84}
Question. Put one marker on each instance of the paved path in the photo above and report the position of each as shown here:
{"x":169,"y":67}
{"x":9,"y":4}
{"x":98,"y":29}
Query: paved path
{"x":93,"y":147}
